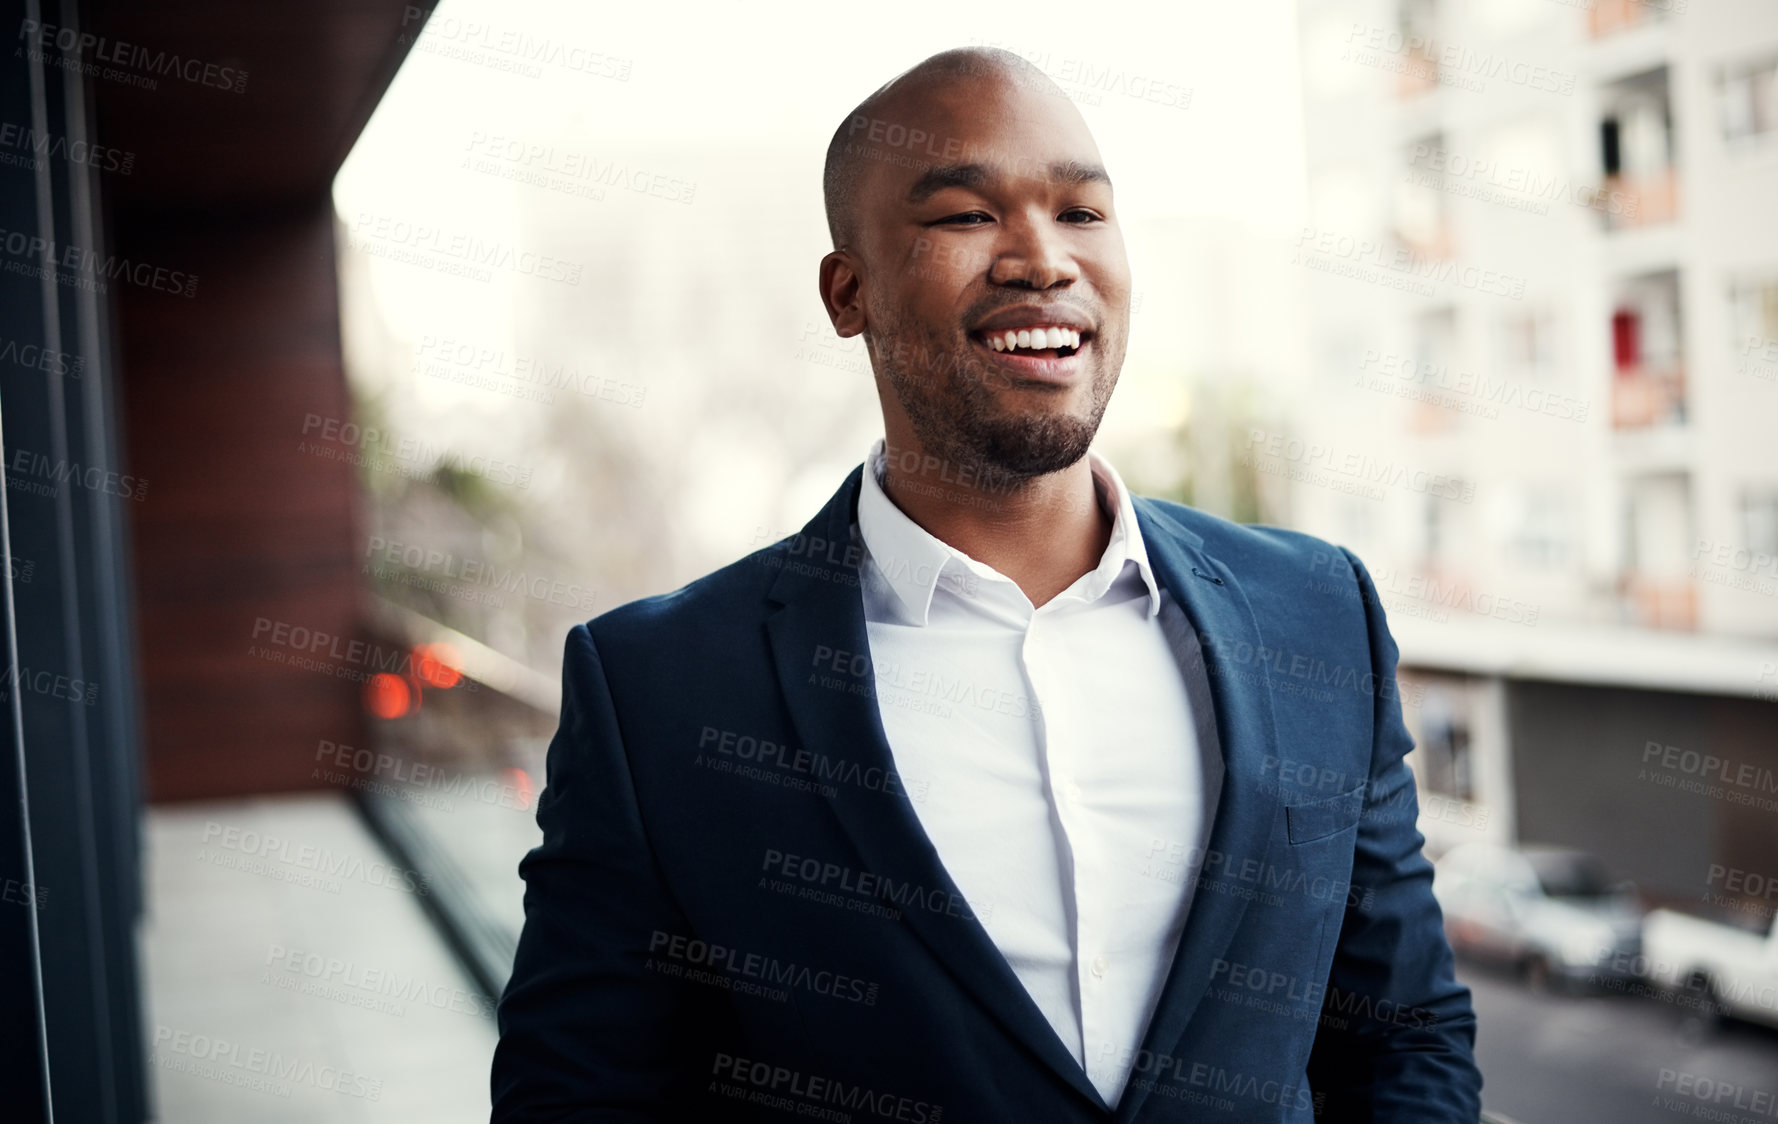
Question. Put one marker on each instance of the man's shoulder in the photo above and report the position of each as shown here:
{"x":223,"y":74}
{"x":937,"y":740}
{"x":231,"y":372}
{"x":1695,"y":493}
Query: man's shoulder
{"x":1254,"y":549}
{"x":735,"y":595}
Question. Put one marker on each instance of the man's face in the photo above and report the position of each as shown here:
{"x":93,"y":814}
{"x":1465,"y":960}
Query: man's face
{"x":1000,"y":223}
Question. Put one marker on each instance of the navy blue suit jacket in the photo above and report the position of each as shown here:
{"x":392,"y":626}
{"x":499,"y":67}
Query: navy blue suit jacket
{"x":736,"y":915}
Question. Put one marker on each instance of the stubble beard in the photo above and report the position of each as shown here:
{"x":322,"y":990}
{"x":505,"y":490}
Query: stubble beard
{"x":947,"y":392}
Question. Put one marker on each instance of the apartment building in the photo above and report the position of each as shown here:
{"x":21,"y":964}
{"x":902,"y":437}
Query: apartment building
{"x":1540,"y":279}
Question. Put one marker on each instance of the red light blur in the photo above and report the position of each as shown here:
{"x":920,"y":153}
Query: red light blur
{"x":388,"y":696}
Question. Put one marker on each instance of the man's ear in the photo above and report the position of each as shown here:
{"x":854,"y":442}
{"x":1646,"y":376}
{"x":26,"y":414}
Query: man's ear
{"x":842,"y":292}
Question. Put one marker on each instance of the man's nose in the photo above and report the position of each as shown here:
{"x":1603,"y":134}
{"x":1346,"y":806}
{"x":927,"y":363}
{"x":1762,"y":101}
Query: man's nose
{"x":1033,"y":255}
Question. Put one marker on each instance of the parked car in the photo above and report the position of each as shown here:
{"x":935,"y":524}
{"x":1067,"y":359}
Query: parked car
{"x":1554,"y":914}
{"x":1729,"y":966}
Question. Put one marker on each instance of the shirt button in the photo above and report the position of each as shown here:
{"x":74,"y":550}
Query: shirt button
{"x":1072,"y":791}
{"x":1099,"y":965}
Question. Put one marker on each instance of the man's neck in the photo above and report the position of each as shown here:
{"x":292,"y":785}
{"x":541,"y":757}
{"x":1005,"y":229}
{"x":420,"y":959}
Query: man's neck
{"x":1043,"y":532}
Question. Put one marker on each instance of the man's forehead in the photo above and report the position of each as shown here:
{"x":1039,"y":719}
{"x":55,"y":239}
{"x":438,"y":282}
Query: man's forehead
{"x":962,"y":135}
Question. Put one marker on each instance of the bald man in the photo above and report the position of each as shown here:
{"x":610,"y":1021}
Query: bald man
{"x":997,"y":793}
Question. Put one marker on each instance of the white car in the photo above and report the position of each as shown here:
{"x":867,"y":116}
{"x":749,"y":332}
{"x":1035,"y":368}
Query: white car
{"x":1554,"y":914}
{"x":1728,"y":967}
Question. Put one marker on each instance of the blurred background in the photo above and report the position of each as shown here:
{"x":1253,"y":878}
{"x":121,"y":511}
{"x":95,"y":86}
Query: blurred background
{"x":352,"y":353}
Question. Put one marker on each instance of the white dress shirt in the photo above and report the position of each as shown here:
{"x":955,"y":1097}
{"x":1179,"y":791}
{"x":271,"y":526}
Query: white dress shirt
{"x":1065,"y":787}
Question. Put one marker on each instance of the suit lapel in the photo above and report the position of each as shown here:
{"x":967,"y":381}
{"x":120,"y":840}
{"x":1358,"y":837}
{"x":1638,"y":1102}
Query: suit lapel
{"x":823,"y":612}
{"x":1211,"y":596}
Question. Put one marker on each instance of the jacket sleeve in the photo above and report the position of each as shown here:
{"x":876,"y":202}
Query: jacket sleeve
{"x":587,"y":1031}
{"x":1397,"y":1035}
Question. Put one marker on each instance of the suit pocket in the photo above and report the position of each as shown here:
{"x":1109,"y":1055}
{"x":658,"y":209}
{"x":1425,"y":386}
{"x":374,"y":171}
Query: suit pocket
{"x":1318,"y":819}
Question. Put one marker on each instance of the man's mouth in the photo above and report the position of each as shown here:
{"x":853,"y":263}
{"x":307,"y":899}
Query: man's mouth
{"x":1040,"y":341}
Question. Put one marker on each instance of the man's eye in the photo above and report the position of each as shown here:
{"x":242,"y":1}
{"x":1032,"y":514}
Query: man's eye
{"x":1080,"y":215}
{"x":967,"y":219}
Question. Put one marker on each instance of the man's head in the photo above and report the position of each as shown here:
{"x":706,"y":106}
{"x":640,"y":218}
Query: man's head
{"x":967,"y":200}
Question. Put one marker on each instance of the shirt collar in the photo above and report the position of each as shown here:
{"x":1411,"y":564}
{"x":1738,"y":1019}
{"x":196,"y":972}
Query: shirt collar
{"x":914,"y":563}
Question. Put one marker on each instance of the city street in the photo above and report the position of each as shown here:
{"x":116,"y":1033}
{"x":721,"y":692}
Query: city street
{"x":1598,"y":1058}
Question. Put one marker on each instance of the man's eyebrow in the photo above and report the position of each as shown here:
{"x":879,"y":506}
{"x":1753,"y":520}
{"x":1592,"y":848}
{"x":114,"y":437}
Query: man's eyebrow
{"x":1073,"y":171}
{"x":941,"y":176}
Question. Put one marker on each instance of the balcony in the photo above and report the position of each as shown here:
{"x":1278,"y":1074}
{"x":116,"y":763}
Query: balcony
{"x":1645,"y":398}
{"x":1609,"y":17}
{"x":1659,"y":602}
{"x":1648,"y":199}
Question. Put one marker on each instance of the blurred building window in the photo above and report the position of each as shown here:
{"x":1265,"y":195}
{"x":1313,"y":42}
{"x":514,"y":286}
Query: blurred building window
{"x":1525,"y":344}
{"x":1759,"y":521}
{"x":1541,"y":536}
{"x":1747,"y":98}
{"x":1753,"y":313}
{"x":1435,"y":357}
{"x":1636,"y":149}
{"x":1422,"y":207}
{"x":1418,"y":23}
{"x":1657,"y":526}
{"x":1648,"y":383}
{"x":1442,"y":740}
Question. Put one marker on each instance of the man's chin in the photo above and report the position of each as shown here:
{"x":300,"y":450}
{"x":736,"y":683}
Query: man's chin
{"x":1030,"y":447}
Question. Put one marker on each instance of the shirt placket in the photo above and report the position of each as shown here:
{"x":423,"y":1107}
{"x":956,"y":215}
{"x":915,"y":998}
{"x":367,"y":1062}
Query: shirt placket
{"x":1058,"y":738}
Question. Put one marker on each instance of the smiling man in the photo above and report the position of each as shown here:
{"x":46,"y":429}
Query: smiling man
{"x":998,"y":793}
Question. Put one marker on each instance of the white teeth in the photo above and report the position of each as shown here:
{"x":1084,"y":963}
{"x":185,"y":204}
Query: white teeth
{"x":1036,"y":339}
